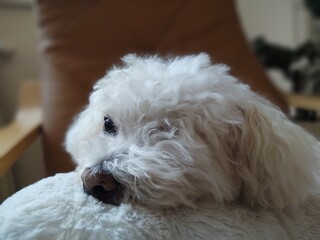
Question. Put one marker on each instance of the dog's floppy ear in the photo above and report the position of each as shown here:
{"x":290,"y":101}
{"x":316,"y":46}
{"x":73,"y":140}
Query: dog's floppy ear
{"x":278,"y":162}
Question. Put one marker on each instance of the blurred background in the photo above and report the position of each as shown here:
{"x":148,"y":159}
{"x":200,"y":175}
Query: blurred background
{"x":284,"y":34}
{"x":18,"y":63}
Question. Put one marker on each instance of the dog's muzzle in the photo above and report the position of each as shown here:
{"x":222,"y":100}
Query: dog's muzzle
{"x":102,"y":185}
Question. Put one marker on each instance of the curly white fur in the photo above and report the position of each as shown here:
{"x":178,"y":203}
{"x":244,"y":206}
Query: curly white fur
{"x":187,"y":130}
{"x":198,"y":154}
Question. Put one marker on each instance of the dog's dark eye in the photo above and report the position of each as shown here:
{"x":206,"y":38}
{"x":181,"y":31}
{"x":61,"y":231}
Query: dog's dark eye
{"x":109,"y":126}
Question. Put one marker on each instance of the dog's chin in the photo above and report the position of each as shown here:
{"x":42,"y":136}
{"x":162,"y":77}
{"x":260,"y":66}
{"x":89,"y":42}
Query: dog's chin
{"x":114,"y":197}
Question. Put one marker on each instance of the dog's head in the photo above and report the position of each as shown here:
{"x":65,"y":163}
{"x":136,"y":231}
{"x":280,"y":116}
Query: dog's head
{"x":168,"y":132}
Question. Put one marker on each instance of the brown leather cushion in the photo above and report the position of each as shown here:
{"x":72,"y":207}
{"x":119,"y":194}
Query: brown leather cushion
{"x":80,"y":40}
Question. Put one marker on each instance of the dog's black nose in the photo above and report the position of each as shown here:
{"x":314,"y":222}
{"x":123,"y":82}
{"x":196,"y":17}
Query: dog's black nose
{"x":101,"y":185}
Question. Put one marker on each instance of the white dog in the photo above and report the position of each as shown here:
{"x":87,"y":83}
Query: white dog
{"x":195,"y":153}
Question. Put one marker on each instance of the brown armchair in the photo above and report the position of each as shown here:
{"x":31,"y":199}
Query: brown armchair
{"x":79,"y":41}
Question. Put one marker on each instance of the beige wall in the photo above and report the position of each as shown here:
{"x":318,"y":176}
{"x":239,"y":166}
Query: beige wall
{"x":18,"y":31}
{"x":284,"y":22}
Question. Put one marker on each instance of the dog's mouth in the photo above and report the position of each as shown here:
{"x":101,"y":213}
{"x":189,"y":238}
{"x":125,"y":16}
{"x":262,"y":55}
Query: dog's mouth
{"x":103,"y":186}
{"x":114,"y":197}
